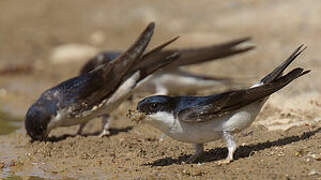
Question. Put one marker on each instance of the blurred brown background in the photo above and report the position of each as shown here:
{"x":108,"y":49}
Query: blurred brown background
{"x":32,"y":31}
{"x":45,"y":42}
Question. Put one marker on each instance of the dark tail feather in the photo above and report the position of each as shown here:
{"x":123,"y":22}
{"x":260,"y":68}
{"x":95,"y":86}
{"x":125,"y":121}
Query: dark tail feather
{"x":277,"y":72}
{"x":148,"y":65}
{"x":209,"y":53}
{"x":147,"y":70}
{"x":148,"y":58}
{"x":289,"y":77}
{"x":126,"y":60}
{"x":109,"y":56}
{"x":159,"y":48}
{"x":259,"y":92}
{"x":101,"y":58}
{"x":187,"y":56}
{"x":234,"y":43}
{"x":282,"y":81}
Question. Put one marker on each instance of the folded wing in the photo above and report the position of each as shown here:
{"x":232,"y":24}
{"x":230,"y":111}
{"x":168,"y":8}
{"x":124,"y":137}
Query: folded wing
{"x":228,"y":102}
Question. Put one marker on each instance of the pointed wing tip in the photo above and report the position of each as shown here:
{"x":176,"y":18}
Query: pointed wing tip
{"x":170,"y":41}
{"x":239,"y":44}
{"x":247,"y":38}
{"x":305,"y":72}
{"x":151,"y":26}
{"x":149,"y":30}
{"x":175,"y":38}
{"x":298,"y":51}
{"x":247,"y":47}
{"x":301,"y":48}
{"x":241,"y":40}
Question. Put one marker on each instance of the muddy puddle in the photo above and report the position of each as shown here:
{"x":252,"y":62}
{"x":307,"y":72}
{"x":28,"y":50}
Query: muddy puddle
{"x":9,"y":123}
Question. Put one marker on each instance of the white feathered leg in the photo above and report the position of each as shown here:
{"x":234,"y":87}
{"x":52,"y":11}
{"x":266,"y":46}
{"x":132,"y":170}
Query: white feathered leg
{"x":105,"y":121}
{"x":231,"y":146}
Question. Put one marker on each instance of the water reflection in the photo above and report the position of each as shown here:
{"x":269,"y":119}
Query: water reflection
{"x":9,"y":123}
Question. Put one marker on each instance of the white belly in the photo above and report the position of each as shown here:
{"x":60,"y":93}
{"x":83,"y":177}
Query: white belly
{"x":211,"y":130}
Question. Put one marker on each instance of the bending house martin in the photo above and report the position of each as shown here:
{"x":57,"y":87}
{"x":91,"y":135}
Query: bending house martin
{"x":172,"y":78}
{"x":98,"y":92}
{"x":203,"y":119}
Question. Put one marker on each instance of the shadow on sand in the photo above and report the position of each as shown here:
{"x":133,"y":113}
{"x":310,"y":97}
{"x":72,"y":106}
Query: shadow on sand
{"x":241,"y":152}
{"x":113,"y":131}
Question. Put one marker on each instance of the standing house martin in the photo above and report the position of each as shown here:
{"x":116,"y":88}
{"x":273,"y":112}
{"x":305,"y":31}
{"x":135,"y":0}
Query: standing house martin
{"x":203,"y":119}
{"x":98,"y":92}
{"x":172,"y":78}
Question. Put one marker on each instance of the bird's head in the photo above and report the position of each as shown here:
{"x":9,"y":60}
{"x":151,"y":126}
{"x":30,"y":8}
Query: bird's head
{"x":37,"y":120}
{"x":155,"y":104}
{"x":158,"y":111}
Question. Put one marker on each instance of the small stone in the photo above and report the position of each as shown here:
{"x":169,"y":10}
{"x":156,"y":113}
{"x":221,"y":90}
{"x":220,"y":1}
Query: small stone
{"x":197,"y":172}
{"x":2,"y":165}
{"x":313,"y":172}
{"x":298,"y":154}
{"x":308,"y":159}
{"x":72,"y":52}
{"x":3,"y":93}
{"x":97,"y":38}
{"x":314,"y":156}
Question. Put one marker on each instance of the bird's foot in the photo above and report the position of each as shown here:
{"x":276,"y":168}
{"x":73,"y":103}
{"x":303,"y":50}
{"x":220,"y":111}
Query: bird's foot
{"x":225,"y":161}
{"x":81,"y":128}
{"x":79,"y":133}
{"x":105,"y":132}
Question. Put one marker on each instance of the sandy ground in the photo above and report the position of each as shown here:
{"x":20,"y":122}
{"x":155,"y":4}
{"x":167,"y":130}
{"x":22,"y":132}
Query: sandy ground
{"x":283,"y":143}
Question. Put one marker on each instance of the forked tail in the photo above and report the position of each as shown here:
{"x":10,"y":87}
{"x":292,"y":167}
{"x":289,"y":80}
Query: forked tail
{"x":277,"y":72}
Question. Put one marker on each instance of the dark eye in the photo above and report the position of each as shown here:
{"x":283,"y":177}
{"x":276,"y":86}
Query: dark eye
{"x":153,"y":106}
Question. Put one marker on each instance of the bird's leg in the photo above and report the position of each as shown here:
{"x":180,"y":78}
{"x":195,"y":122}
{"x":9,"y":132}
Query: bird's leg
{"x":231,"y":146}
{"x":81,"y":128}
{"x":199,"y":149}
{"x":106,"y":121}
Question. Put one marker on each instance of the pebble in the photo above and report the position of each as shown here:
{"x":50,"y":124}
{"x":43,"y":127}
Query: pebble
{"x":2,"y":165}
{"x":313,"y":172}
{"x":3,"y":93}
{"x":97,"y":38}
{"x":308,"y":159}
{"x":72,"y":52}
{"x":314,"y":156}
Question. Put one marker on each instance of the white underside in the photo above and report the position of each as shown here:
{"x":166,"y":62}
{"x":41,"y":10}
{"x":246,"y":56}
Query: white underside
{"x":204,"y":132}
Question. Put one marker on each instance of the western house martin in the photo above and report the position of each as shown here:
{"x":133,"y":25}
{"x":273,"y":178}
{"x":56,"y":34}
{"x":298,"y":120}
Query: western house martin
{"x":202,"y":119}
{"x":172,"y":78}
{"x":100,"y":91}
